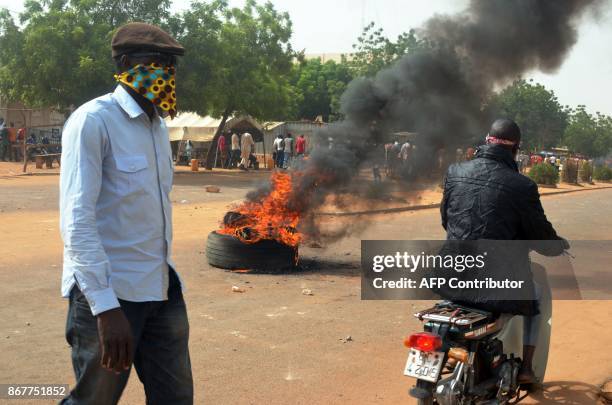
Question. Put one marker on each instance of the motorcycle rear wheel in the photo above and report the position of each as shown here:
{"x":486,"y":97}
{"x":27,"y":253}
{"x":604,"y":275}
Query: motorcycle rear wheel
{"x":429,"y":387}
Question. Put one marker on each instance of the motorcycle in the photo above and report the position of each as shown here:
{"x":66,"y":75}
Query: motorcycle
{"x":470,"y":356}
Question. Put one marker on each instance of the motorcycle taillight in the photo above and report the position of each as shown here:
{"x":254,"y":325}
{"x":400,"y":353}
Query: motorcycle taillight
{"x":423,"y":341}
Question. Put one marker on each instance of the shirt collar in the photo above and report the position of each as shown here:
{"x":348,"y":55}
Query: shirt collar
{"x":125,"y":100}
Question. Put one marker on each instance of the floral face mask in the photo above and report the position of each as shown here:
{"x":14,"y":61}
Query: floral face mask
{"x":154,"y":82}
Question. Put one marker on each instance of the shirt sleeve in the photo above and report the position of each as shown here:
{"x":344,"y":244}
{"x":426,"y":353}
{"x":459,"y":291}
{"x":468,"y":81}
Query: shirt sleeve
{"x":538,"y":230}
{"x":83,"y":145}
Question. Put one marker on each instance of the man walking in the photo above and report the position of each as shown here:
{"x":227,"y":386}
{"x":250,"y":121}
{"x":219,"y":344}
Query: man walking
{"x":300,"y":146}
{"x":4,"y":140}
{"x":221,"y":151}
{"x":279,"y":147}
{"x":12,"y":140}
{"x":235,"y":153}
{"x":288,"y":152}
{"x":125,"y":298}
{"x":246,"y":146}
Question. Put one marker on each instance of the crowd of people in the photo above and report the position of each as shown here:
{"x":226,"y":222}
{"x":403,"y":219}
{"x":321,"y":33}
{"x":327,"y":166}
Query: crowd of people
{"x":10,"y":137}
{"x":12,"y":143}
{"x":285,"y":150}
{"x":399,"y":160}
{"x":240,"y":153}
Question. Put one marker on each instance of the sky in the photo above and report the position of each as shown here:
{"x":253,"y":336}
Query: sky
{"x":332,"y":26}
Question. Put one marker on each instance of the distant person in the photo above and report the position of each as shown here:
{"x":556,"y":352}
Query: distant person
{"x":279,"y":148}
{"x":12,"y":138}
{"x":469,"y":153}
{"x":4,"y":141}
{"x":221,"y":150}
{"x":520,"y":162}
{"x":288,"y":151}
{"x":246,"y":147}
{"x":405,"y":151}
{"x":459,"y":156}
{"x":235,"y":151}
{"x":376,"y":173}
{"x":188,"y":150}
{"x":21,"y":134}
{"x":300,"y":146}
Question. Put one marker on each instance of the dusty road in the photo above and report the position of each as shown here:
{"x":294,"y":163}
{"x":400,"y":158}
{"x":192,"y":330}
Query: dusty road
{"x":271,"y":344}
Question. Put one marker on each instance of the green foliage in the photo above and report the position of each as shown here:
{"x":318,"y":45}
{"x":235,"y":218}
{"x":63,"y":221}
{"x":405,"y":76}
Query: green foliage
{"x":536,"y":110}
{"x":586,"y":172}
{"x":319,"y":87}
{"x":237,"y":60}
{"x":602,"y":173}
{"x":588,"y":134}
{"x":11,"y":56}
{"x":544,"y":173}
{"x":61,"y":56}
{"x":374,"y":51}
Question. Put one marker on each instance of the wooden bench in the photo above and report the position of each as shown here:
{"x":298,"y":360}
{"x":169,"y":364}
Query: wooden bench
{"x":47,"y":159}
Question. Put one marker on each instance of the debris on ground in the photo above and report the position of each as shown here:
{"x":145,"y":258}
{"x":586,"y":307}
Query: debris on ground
{"x":315,"y":245}
{"x":184,"y":201}
{"x":307,"y":291}
{"x":346,"y":339}
{"x":212,"y":189}
{"x":237,"y":289}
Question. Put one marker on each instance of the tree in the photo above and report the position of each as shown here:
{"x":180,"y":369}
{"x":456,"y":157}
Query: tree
{"x":11,"y":56}
{"x":242,"y":63}
{"x":535,"y":109}
{"x":373,"y":51}
{"x":588,"y":134}
{"x":61,"y":57}
{"x":319,"y":87}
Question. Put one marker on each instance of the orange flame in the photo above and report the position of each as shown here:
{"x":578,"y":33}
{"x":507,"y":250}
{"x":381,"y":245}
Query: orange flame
{"x":269,"y":218}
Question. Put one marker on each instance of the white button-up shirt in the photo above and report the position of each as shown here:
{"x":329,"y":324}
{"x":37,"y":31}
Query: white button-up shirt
{"x":115,"y":210}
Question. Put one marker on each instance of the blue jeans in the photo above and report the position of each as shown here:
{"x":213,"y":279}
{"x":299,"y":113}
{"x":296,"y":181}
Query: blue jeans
{"x":280,"y":158}
{"x":161,"y":334}
{"x":287,"y":157}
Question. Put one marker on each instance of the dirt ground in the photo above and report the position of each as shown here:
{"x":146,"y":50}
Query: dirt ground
{"x":272,"y":344}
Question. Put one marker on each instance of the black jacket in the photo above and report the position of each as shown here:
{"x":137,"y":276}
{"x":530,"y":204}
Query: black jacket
{"x":487,"y":198}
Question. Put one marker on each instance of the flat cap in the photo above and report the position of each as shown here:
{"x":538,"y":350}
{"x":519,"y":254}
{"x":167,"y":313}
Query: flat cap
{"x":137,"y":36}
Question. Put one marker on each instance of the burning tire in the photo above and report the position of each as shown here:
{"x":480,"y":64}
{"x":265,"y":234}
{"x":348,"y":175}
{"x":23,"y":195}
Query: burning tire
{"x":229,"y":252}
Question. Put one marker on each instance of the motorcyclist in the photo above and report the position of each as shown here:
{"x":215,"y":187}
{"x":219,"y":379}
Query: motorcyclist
{"x":487,"y":198}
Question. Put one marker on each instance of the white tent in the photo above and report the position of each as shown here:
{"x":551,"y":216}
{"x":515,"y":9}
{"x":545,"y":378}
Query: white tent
{"x":191,"y":126}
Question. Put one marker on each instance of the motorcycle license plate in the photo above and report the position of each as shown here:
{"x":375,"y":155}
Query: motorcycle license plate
{"x":424,"y":365}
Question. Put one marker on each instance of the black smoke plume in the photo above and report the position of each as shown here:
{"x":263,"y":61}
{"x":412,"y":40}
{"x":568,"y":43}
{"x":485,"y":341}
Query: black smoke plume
{"x":437,"y":92}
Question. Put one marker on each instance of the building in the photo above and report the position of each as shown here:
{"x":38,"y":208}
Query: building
{"x":23,"y":116}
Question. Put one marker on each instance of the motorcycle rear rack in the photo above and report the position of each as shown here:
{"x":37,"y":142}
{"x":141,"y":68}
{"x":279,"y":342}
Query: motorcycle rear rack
{"x":455,"y":315}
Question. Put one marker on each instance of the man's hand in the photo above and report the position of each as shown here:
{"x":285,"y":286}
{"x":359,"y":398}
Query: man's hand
{"x":115,"y":340}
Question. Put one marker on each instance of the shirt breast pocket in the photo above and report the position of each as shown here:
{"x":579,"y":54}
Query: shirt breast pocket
{"x":132,"y":173}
